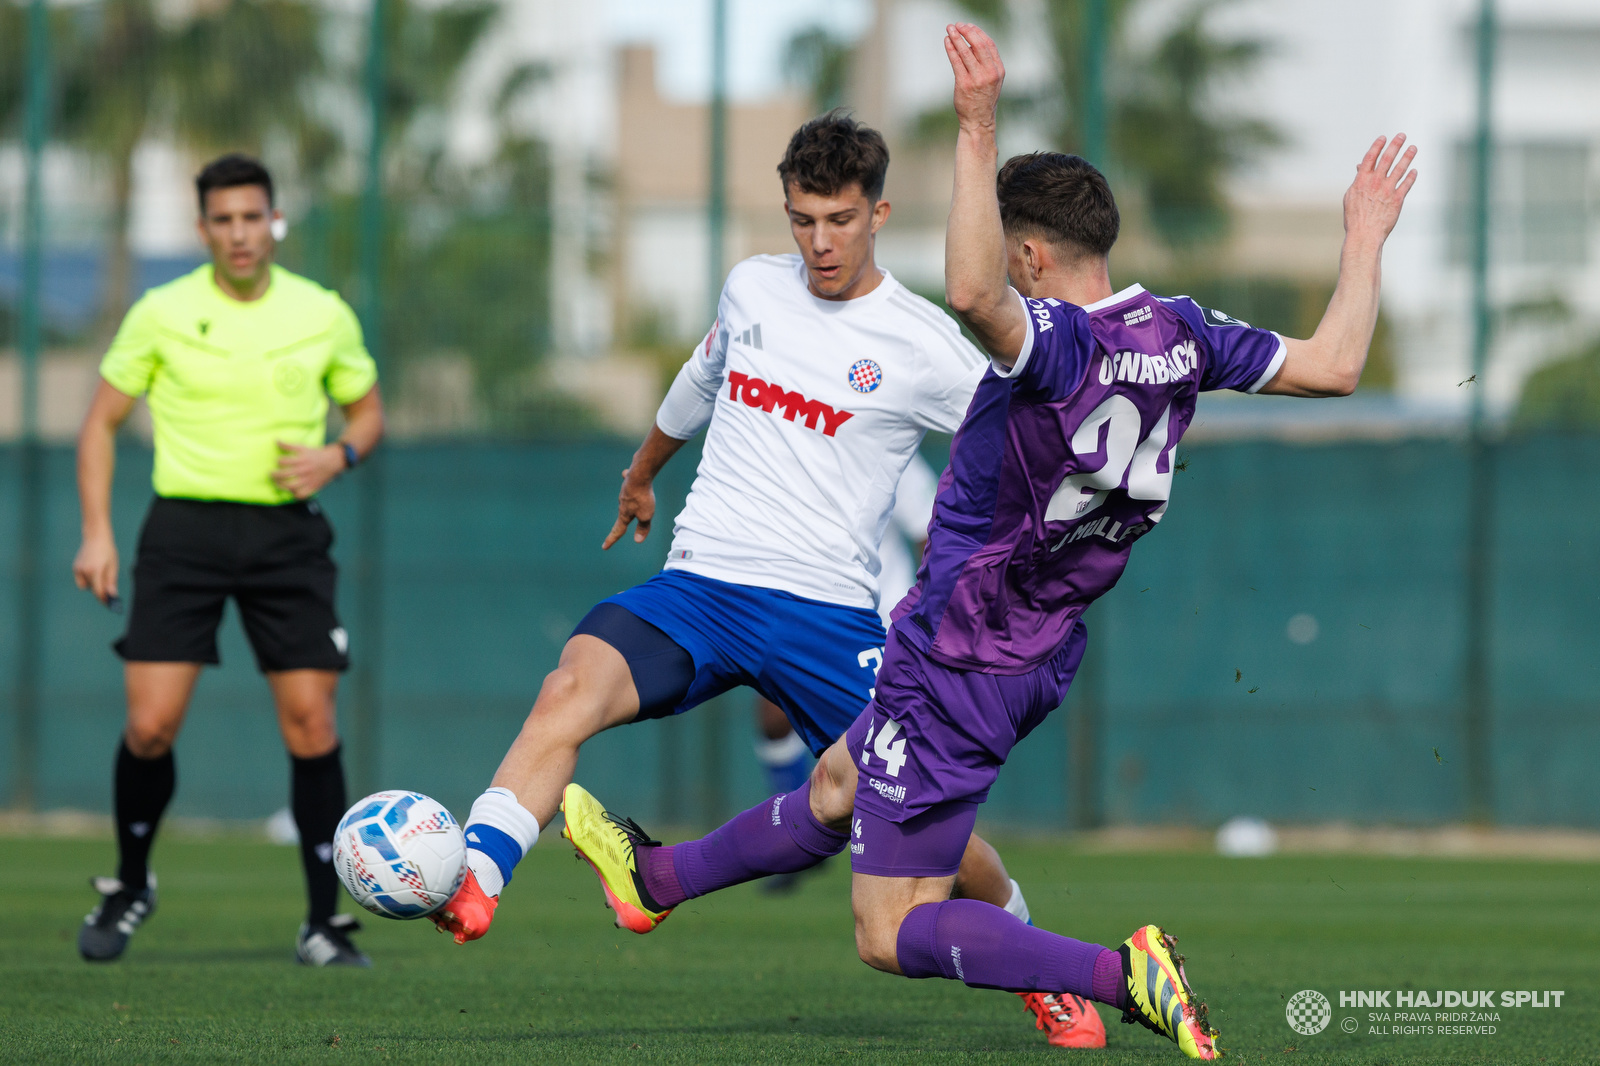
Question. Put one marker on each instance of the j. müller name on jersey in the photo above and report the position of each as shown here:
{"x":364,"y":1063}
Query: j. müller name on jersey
{"x":1136,"y":368}
{"x":1104,"y":527}
{"x":766,"y":395}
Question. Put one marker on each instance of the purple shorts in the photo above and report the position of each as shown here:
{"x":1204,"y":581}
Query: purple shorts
{"x":928,"y":747}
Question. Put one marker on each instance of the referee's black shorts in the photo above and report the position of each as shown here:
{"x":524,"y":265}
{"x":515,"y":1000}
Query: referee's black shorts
{"x":274,"y":562}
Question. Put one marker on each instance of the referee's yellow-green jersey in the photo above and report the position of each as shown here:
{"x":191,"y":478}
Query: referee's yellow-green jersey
{"x":228,"y":379}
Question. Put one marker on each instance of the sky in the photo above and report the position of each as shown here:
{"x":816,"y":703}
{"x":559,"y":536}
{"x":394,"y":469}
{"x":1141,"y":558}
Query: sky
{"x":758,"y":31}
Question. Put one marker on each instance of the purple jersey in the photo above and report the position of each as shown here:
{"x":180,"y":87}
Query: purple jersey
{"x":1061,"y":464}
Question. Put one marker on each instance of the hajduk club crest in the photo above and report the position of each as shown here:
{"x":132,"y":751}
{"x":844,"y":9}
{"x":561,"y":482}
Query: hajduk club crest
{"x":865,"y":375}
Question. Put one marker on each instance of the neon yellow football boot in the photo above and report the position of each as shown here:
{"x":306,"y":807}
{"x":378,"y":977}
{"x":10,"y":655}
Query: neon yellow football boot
{"x":607,"y":842}
{"x":1162,"y":999}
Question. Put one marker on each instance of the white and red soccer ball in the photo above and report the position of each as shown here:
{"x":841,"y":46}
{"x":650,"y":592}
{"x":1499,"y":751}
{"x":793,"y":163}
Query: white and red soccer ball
{"x":400,"y":854}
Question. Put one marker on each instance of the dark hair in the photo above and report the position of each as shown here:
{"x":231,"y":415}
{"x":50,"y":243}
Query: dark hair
{"x":1061,"y":198}
{"x":833,"y":151}
{"x":230,"y":172}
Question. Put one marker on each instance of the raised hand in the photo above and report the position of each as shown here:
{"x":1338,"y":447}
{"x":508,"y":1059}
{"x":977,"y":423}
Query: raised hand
{"x":1373,"y":201}
{"x":979,"y":73}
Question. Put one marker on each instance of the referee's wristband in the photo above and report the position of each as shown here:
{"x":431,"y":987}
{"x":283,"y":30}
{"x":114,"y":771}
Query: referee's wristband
{"x":351,"y":456}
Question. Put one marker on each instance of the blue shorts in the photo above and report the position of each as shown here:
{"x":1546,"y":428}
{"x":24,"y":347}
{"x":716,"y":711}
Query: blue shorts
{"x":817,"y":661}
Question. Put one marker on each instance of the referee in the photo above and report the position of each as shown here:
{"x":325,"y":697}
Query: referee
{"x":238,"y":359}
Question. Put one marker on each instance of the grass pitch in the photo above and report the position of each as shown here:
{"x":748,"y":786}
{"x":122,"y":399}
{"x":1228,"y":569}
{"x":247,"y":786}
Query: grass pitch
{"x":745,"y":978}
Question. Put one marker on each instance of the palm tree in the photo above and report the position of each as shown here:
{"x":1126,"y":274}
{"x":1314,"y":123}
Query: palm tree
{"x":426,"y":49}
{"x":820,"y":63}
{"x":107,"y":72}
{"x":13,"y":65}
{"x":227,"y":77}
{"x":1171,"y":134}
{"x":1167,"y":137}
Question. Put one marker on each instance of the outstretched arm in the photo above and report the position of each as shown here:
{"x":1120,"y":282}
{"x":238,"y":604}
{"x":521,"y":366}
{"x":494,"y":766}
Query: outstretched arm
{"x":684,"y":411}
{"x":637,"y":500}
{"x":1330,"y":363}
{"x":975,"y":245}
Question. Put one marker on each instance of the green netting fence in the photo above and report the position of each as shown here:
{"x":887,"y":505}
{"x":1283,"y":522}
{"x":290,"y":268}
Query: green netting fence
{"x":1288,"y":643}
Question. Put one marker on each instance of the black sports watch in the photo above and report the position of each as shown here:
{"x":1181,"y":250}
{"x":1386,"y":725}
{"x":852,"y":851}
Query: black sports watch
{"x":351,"y":456}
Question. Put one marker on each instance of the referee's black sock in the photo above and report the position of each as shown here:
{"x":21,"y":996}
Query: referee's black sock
{"x":143,"y":789}
{"x":318,"y":800}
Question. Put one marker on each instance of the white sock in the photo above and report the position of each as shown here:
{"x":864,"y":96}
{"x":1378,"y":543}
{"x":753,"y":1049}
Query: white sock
{"x":786,"y":749}
{"x":499,"y":833}
{"x":1016,"y":904}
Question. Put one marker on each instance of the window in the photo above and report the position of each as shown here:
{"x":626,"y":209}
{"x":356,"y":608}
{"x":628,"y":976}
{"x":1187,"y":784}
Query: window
{"x":1539,"y":204}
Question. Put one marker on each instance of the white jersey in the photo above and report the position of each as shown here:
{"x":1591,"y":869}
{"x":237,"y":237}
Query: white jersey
{"x":913,"y":510}
{"x":815,"y":407}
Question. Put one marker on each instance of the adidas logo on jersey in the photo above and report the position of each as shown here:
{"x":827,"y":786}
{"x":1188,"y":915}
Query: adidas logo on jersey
{"x":767,"y":396}
{"x":752,"y":337}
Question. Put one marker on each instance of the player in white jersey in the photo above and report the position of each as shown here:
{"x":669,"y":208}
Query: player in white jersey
{"x":815,"y":385}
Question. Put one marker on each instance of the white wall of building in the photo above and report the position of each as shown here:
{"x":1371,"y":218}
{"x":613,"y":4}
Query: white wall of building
{"x":1341,"y":74}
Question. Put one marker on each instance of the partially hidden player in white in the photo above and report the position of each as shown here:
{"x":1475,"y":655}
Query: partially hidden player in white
{"x":784,"y":757}
{"x":815,"y":386}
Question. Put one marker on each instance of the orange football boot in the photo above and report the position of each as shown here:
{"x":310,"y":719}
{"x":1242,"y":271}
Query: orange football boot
{"x":1070,"y":1020}
{"x":468,"y":913}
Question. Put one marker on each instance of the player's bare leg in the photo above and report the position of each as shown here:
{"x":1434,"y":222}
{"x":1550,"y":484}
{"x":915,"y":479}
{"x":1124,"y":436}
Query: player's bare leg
{"x":983,"y":874}
{"x":305,"y":701}
{"x":590,"y":690}
{"x":158,"y":696}
{"x":880,"y":906}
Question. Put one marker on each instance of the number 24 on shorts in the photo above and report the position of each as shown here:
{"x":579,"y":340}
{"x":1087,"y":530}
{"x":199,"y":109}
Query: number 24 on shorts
{"x":885,"y":747}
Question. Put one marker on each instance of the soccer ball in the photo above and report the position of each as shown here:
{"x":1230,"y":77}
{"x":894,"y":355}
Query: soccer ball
{"x":400,"y":854}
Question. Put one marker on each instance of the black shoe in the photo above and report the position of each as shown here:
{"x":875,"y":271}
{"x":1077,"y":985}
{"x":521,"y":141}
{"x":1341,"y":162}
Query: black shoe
{"x":328,"y":943}
{"x":109,"y":927}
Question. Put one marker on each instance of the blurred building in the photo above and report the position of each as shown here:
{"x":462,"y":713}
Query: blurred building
{"x":1334,"y":77}
{"x":629,"y":173}
{"x":662,"y":166}
{"x":1338,"y":75}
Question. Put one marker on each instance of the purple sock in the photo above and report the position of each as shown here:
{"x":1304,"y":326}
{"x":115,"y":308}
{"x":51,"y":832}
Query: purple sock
{"x":981,"y":945}
{"x":778,"y":836}
{"x":660,"y":879}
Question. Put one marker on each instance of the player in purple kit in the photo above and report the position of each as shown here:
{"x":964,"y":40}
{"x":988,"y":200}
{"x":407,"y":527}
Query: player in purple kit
{"x":1063,"y":461}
